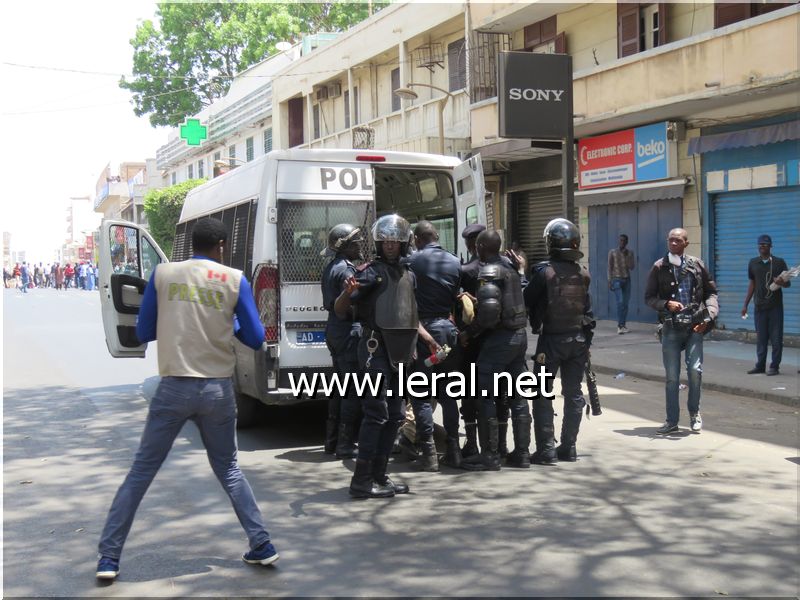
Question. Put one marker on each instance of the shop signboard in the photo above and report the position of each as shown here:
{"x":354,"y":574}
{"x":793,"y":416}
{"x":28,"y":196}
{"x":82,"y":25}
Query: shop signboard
{"x":535,"y":95}
{"x":629,"y":156}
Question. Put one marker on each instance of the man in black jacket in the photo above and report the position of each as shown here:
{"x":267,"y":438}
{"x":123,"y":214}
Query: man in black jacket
{"x":680,"y":288}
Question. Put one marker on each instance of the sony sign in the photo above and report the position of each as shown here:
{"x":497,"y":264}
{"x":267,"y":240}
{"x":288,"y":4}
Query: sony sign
{"x":535,"y":95}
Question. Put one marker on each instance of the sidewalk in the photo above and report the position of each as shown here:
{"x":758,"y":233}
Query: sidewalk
{"x":725,"y":363}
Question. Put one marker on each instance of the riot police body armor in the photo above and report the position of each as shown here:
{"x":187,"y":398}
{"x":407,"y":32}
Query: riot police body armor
{"x":383,"y":294}
{"x":499,"y":323}
{"x":559,"y":308}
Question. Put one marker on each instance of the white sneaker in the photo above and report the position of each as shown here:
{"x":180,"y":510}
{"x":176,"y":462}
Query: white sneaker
{"x":696,"y":422}
{"x":624,"y":329}
{"x":621,"y":330}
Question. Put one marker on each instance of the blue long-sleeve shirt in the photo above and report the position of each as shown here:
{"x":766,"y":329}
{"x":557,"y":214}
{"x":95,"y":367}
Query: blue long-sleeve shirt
{"x":246,"y":324}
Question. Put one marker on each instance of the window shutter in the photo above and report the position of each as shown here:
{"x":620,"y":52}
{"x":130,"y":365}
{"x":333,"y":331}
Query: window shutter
{"x":627,"y":29}
{"x":726,"y":13}
{"x":533,"y":35}
{"x":662,"y":23}
{"x":561,"y":43}
{"x":456,"y":66}
{"x":548,"y":29}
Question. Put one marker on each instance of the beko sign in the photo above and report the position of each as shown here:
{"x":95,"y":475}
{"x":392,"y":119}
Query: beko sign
{"x":535,"y":95}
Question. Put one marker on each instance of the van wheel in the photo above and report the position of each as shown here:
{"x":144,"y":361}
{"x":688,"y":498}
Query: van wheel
{"x":247,"y":409}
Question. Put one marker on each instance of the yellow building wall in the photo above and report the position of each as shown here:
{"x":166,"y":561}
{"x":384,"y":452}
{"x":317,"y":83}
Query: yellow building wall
{"x":591,"y":32}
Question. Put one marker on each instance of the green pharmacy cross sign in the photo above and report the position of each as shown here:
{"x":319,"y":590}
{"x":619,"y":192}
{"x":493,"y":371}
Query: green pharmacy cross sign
{"x":194,"y":132}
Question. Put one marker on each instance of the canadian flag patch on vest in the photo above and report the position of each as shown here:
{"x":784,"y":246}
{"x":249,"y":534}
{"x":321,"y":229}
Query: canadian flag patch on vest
{"x":220,"y":276}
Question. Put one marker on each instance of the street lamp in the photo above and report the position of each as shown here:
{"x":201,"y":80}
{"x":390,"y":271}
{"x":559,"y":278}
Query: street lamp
{"x":408,"y":94}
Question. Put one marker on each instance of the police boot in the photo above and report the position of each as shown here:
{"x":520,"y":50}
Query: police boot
{"x":502,"y":438}
{"x":471,"y":446}
{"x":520,"y":458}
{"x":545,"y":445}
{"x":381,"y":478}
{"x":331,"y":429}
{"x":452,"y":457}
{"x":410,"y":450}
{"x":345,"y":443}
{"x":488,"y":459}
{"x":569,"y":435}
{"x":362,"y":485}
{"x":428,"y":459}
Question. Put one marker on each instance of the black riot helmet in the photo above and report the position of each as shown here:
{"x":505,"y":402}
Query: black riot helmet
{"x":340,"y":236}
{"x":563,"y":239}
{"x":391,"y":228}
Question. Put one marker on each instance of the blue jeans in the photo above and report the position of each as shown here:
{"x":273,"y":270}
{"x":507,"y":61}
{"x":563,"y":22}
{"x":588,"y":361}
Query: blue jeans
{"x":211,"y":405}
{"x":769,"y":328}
{"x":444,"y":332}
{"x":621,"y":286}
{"x":673,"y":342}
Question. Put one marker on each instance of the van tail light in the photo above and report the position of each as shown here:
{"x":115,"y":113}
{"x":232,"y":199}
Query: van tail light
{"x":267,"y":296}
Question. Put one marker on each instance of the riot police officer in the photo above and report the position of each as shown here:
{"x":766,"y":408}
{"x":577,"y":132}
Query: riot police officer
{"x":383,"y":292}
{"x":438,"y":281}
{"x":559,"y":308}
{"x":500,"y":321}
{"x":341,"y":337}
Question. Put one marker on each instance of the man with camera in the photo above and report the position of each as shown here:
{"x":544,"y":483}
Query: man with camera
{"x":680,"y":288}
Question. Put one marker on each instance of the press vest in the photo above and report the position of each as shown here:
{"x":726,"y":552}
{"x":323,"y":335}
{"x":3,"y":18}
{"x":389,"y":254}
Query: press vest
{"x":196,"y":302}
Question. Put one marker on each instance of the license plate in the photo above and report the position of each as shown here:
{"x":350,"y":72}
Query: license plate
{"x":310,"y":337}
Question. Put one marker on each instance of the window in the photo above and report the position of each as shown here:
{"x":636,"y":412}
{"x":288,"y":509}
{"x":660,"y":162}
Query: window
{"x":395,"y":86}
{"x":640,"y":27}
{"x":174,"y":178}
{"x":212,"y":168}
{"x":232,"y":155}
{"x":200,"y":166}
{"x":457,"y":65}
{"x":268,"y":140}
{"x":726,"y":13}
{"x":249,"y":149}
{"x":543,"y":38}
{"x":315,"y":112}
{"x":347,"y":124}
{"x":190,"y":171}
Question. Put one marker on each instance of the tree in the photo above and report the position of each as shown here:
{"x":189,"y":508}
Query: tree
{"x":191,"y":57}
{"x":163,"y":209}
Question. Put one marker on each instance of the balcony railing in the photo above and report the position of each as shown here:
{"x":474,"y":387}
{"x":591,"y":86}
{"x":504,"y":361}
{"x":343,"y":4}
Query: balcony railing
{"x":392,"y":132}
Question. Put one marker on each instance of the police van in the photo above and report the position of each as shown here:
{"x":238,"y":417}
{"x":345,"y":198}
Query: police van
{"x":278,"y":210}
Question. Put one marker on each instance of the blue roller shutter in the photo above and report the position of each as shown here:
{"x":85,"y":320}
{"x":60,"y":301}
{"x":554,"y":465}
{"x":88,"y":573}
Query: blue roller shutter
{"x":739,"y":218}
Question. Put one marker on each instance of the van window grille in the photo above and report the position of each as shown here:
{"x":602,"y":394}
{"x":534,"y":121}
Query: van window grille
{"x":303,"y":234}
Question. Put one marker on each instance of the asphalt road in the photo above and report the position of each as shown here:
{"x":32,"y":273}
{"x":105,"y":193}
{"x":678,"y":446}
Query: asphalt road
{"x":691,"y":515}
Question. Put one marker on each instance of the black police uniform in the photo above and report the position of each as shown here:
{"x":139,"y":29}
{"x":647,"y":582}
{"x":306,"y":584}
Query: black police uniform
{"x":385,"y":289}
{"x":558,"y":303}
{"x":500,"y":323}
{"x":438,"y":281}
{"x":341,"y":337}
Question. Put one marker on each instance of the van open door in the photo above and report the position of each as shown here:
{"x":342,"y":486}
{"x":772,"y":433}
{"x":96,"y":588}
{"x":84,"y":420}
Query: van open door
{"x":127,"y":257}
{"x":470,"y":191}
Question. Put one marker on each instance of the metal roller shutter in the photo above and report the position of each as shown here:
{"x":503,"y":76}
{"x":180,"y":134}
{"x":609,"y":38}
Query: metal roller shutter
{"x":739,"y":218}
{"x":532,"y":211}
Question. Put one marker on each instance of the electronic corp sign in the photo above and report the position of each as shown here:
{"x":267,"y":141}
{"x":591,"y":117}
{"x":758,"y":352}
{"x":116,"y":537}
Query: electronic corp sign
{"x":630,"y":156}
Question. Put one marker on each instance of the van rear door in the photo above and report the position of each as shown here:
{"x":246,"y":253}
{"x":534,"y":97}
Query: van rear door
{"x":470,"y":192}
{"x":312,"y":198}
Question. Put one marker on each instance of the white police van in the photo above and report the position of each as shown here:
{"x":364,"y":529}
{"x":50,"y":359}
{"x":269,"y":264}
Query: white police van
{"x":278,"y":210}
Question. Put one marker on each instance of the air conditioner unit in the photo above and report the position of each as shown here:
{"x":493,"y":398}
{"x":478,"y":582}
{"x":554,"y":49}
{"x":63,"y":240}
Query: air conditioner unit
{"x":334,"y":90}
{"x":322,"y":93}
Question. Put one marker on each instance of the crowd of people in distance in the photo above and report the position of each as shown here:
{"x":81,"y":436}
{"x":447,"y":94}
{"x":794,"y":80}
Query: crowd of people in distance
{"x":80,"y":275}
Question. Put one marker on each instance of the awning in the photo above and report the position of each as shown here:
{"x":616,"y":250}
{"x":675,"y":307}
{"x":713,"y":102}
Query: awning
{"x":641,"y":192}
{"x":517,"y":149}
{"x":758,"y":136}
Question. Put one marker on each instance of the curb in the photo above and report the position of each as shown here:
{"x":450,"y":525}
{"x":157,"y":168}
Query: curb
{"x":714,"y":387}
